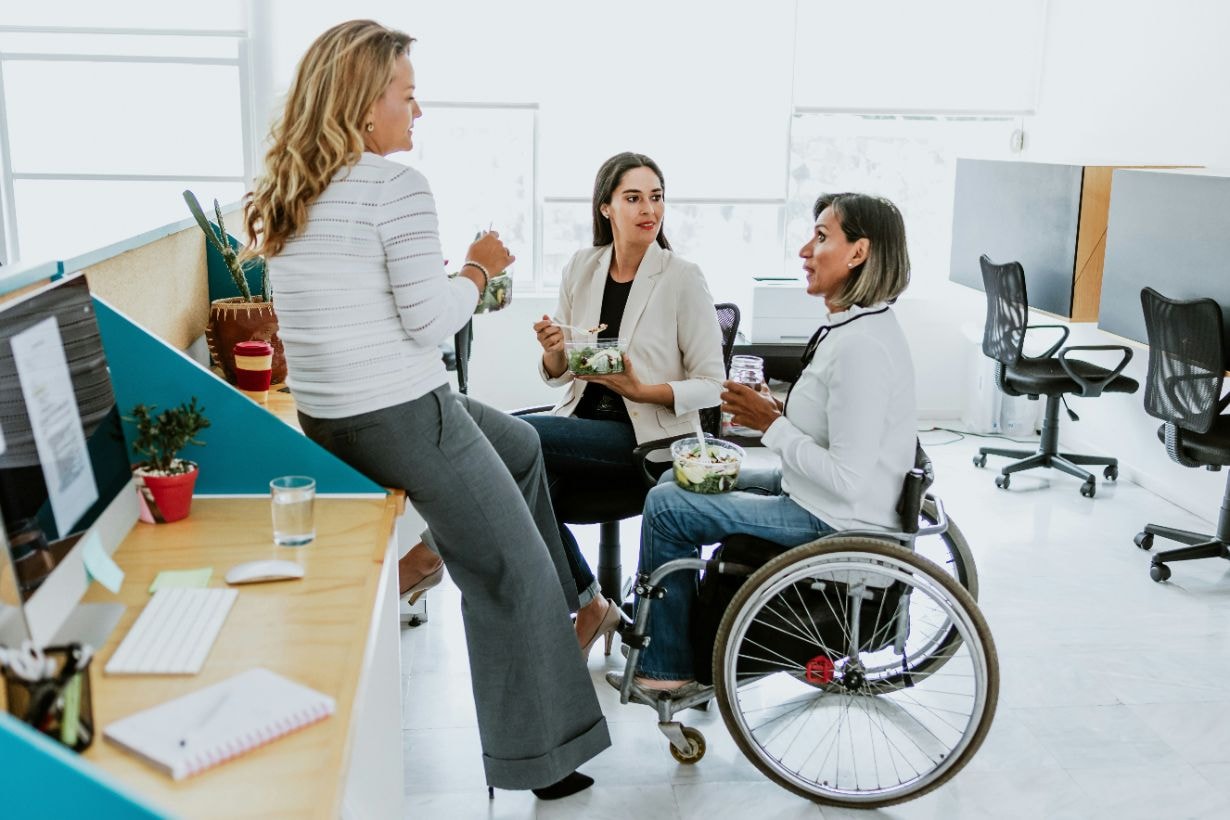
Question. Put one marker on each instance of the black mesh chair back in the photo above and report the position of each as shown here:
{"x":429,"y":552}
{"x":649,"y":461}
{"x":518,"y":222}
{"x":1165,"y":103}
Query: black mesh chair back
{"x":1186,"y":360}
{"x":1007,"y":310}
{"x":728,"y":320}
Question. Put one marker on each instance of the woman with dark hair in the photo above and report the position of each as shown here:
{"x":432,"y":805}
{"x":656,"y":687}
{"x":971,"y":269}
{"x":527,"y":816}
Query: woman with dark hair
{"x":352,"y":242}
{"x":845,"y":434}
{"x":658,"y":306}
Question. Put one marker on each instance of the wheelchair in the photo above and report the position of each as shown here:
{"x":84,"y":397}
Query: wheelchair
{"x":855,"y":670}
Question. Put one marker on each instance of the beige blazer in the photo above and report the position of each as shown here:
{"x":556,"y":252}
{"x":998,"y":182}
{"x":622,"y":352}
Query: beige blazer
{"x":669,"y":326}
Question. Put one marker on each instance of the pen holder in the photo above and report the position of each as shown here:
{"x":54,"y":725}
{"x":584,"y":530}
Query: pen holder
{"x":62,"y":710}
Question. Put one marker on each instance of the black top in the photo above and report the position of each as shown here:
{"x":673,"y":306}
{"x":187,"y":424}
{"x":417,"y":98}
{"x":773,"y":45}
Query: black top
{"x":599,"y":401}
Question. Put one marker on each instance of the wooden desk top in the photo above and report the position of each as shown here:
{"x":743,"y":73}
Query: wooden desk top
{"x":314,"y":631}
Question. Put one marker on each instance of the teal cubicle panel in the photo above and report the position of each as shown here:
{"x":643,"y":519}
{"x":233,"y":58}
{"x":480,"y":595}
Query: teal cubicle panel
{"x":245,"y":446}
{"x":39,"y":778}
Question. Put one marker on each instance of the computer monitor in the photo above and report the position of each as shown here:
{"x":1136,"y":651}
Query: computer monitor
{"x":65,"y":480}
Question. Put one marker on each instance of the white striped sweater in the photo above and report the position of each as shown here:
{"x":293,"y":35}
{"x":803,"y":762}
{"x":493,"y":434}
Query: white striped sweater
{"x":362,"y":296}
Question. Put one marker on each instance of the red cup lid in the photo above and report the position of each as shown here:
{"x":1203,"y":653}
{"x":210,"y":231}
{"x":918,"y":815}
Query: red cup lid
{"x":254,"y":348}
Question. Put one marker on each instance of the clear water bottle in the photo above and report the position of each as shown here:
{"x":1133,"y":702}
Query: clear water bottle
{"x":748,"y":370}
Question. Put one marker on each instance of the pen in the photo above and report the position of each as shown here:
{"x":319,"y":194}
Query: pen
{"x":206,"y":716}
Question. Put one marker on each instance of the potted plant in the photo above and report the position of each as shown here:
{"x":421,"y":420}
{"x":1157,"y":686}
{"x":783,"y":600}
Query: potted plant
{"x":242,"y":318}
{"x":165,"y":480}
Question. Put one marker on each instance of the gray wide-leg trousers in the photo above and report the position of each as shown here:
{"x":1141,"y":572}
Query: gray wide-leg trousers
{"x":476,"y":477}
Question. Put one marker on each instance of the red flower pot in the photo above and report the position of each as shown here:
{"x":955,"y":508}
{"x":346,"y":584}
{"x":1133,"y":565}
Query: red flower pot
{"x":165,"y":498}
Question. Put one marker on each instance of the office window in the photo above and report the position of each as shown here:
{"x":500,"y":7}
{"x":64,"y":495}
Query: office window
{"x":105,"y":129}
{"x":731,"y":242}
{"x":479,"y":161}
{"x":909,"y":159}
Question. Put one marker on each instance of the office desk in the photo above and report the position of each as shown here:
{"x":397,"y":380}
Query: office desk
{"x":781,"y":361}
{"x":335,"y":631}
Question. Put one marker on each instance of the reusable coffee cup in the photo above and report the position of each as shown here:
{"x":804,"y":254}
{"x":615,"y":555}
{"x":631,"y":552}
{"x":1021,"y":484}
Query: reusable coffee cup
{"x":254,"y":368}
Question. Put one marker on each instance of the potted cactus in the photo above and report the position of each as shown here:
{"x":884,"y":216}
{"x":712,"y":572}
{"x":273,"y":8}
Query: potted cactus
{"x":242,"y":318}
{"x":165,"y":481}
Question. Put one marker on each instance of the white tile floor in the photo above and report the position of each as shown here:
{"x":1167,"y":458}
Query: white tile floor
{"x":1114,"y":701}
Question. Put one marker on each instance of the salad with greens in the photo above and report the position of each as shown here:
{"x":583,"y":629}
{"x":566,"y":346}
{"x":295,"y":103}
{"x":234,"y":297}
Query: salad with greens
{"x":595,"y":360}
{"x":695,"y":474}
{"x":497,"y":295}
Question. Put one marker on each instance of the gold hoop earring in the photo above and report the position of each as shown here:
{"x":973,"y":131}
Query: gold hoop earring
{"x":370,"y":127}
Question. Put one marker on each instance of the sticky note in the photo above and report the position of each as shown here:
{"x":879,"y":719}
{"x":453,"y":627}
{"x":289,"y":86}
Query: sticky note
{"x":187,"y":578}
{"x":99,"y":565}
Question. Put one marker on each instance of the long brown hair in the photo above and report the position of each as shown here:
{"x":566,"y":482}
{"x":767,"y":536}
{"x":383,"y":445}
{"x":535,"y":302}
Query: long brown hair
{"x":608,"y":179}
{"x":336,"y":83}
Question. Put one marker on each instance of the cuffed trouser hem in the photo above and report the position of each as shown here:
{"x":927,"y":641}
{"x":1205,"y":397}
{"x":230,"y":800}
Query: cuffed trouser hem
{"x":555,"y":765}
{"x":586,"y":596}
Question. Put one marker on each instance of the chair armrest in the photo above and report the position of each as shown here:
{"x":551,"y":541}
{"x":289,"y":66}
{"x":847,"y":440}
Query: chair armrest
{"x":649,"y":471}
{"x":525,"y":411}
{"x":1051,"y":350}
{"x":1091,"y":388}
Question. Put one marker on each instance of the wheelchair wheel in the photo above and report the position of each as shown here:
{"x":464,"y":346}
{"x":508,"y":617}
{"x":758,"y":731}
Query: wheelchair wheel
{"x":790,"y":671}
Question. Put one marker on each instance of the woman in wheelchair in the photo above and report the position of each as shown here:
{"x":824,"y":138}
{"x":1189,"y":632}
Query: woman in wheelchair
{"x":845,"y":434}
{"x":628,"y":287}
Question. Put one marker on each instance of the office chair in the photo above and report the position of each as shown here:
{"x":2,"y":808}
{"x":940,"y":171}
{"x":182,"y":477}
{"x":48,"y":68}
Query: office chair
{"x":1051,"y":374}
{"x":457,"y":357}
{"x":610,"y":505}
{"x":1187,"y":363}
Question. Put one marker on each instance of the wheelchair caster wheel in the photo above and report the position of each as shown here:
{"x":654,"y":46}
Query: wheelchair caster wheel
{"x":1002,"y":481}
{"x":980,"y":460}
{"x":696,"y":745}
{"x":1159,"y":572}
{"x":1144,"y":540}
{"x":1089,"y":489}
{"x":1111,"y":473}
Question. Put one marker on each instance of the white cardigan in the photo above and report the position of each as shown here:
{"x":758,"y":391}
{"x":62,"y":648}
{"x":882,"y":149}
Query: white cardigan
{"x":670,"y":329}
{"x":847,"y":439}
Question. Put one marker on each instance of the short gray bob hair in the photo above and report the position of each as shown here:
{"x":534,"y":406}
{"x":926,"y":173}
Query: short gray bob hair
{"x":886,"y":272}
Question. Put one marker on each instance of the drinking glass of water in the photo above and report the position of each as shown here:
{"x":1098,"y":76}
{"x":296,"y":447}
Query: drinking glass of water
{"x":293,"y":497}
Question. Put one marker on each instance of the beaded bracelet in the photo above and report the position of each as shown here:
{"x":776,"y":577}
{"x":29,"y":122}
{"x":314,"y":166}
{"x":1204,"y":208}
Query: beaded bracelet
{"x":482,"y":270}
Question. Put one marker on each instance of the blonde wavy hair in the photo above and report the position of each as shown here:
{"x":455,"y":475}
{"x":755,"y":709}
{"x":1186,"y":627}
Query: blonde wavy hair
{"x":320,"y":131}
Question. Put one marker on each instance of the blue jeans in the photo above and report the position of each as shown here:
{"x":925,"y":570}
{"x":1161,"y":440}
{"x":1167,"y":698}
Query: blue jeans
{"x":577,"y":451}
{"x":676,"y":523}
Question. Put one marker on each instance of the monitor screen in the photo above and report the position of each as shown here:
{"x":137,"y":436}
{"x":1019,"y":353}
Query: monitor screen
{"x":64,"y":471}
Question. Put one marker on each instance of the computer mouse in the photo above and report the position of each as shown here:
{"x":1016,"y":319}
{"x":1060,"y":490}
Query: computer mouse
{"x":251,"y":572}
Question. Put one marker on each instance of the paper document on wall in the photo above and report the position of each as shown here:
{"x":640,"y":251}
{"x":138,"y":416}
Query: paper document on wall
{"x":47,"y":386}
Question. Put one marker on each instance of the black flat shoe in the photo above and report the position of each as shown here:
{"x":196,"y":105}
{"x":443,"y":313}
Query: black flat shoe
{"x":570,"y":785}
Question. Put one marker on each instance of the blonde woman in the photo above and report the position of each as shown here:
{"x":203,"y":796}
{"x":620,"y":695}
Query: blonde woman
{"x":354,"y":256}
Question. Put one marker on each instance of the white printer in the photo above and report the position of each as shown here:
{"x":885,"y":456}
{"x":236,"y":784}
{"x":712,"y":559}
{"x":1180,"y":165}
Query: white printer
{"x":783,"y":313}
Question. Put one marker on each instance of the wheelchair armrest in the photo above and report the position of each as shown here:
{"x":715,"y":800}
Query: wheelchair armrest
{"x":1091,"y":388}
{"x":526,"y":411}
{"x":1050,"y":351}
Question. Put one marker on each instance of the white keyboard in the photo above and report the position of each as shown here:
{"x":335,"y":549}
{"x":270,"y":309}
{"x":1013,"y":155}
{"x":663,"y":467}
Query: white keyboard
{"x":174,"y":633}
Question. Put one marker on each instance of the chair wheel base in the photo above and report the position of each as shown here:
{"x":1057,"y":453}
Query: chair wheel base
{"x":1003,"y":481}
{"x":1089,"y":489}
{"x":1159,"y":572}
{"x":1144,"y":540}
{"x":1111,"y":473}
{"x":980,"y":460}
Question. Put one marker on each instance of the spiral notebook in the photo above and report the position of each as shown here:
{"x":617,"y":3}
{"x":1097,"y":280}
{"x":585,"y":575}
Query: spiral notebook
{"x":212,"y":725}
